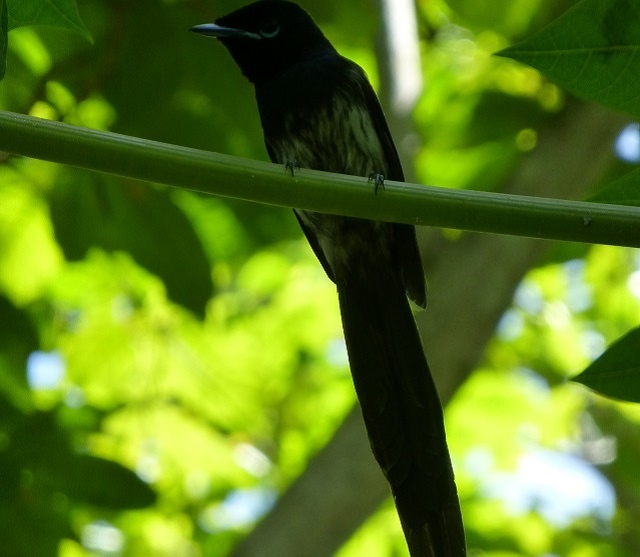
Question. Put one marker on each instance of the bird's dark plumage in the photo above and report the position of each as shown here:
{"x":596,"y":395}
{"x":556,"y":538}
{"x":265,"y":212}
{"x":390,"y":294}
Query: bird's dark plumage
{"x":318,"y":110}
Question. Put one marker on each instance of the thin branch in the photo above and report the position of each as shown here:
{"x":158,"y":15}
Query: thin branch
{"x":318,"y":191}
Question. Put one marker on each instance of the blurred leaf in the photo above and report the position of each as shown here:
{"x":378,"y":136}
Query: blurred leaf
{"x":625,"y":191}
{"x":140,"y":220}
{"x":41,"y":446}
{"x":33,"y":513}
{"x":617,"y":372}
{"x":4,"y":39}
{"x":24,"y":508}
{"x":620,"y":422}
{"x":506,"y":16}
{"x":591,"y":50}
{"x":53,"y":13}
{"x":29,"y":256}
{"x":10,"y":478}
{"x":41,"y":479}
{"x":103,"y":483}
{"x":561,"y":252}
{"x":18,"y":339}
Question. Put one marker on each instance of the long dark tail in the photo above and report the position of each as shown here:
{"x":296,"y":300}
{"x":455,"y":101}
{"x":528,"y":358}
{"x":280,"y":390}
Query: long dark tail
{"x":401,"y":410}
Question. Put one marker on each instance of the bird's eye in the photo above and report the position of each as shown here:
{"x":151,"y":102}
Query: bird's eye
{"x":269,"y":29}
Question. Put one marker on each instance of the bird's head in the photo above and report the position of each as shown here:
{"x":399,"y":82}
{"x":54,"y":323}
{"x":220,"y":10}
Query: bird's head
{"x":267,"y":37}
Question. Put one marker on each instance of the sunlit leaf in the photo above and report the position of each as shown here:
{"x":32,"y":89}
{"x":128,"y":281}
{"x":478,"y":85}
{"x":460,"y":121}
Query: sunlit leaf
{"x":53,"y":13}
{"x":617,"y":372}
{"x":29,"y":257}
{"x":591,"y":50}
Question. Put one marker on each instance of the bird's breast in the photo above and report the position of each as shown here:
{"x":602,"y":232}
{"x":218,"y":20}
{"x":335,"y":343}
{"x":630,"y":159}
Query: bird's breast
{"x":332,"y":132}
{"x":338,"y":135}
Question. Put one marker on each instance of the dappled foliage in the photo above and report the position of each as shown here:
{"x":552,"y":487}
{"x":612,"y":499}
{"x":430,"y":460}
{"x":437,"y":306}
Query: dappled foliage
{"x":170,"y":362}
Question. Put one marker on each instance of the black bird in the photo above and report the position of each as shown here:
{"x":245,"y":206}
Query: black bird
{"x":318,"y":110}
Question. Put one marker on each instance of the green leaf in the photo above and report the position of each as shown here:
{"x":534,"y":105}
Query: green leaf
{"x":53,"y":13}
{"x":18,"y":338}
{"x":616,"y":373}
{"x":140,"y":220}
{"x":41,"y":445}
{"x":4,"y":39}
{"x":103,"y":483}
{"x":624,"y":191}
{"x":507,"y":17}
{"x":591,"y":50}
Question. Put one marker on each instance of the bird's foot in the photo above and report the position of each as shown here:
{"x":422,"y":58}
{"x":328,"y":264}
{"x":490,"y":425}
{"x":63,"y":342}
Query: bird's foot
{"x":291,"y":166}
{"x":378,"y":181}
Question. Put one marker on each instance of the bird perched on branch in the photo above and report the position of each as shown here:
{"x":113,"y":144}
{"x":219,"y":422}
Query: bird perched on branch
{"x":319,"y":111}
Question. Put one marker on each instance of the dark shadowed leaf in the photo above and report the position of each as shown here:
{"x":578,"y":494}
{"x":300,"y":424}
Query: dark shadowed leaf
{"x":42,"y":447}
{"x":625,"y":191}
{"x":53,"y":13}
{"x":140,"y":220}
{"x":591,"y":50}
{"x":4,"y":28}
{"x":617,"y":372}
{"x":18,"y":339}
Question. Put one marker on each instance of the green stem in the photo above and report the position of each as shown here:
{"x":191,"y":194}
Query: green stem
{"x":229,"y":176}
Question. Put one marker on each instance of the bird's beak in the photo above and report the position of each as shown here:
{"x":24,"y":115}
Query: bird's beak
{"x":219,"y":32}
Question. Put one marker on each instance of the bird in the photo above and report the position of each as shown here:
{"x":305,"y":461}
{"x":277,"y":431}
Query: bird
{"x":318,"y":110}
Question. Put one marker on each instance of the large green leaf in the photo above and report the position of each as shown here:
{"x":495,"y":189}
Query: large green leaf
{"x":624,"y":191}
{"x":4,"y":29}
{"x":591,"y":50}
{"x":42,"y":479}
{"x":18,"y":339}
{"x":41,"y":446}
{"x":100,"y":211}
{"x":53,"y":13}
{"x":617,"y":372}
{"x":103,"y":483}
